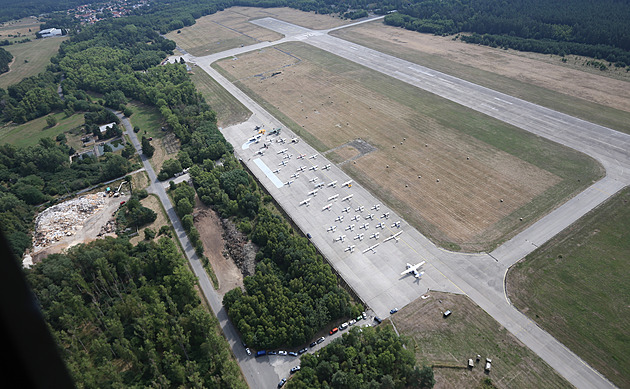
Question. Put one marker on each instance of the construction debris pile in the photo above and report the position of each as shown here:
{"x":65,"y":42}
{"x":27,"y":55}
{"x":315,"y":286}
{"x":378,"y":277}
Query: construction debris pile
{"x":65,"y":219}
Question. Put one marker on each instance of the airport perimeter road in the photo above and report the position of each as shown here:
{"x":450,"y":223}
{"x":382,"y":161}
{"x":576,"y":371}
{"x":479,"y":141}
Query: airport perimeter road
{"x":372,"y":270}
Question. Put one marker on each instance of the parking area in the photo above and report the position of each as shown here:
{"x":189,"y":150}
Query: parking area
{"x":366,"y":242}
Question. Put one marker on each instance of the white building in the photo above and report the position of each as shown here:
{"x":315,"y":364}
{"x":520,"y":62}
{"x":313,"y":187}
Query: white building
{"x":106,"y":127}
{"x":50,"y":32}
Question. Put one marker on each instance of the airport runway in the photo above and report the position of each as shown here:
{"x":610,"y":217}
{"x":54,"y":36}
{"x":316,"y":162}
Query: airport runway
{"x":373,"y":274}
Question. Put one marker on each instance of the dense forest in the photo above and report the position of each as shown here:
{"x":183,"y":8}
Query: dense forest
{"x":5,"y":60}
{"x":363,"y":358}
{"x":129,"y":316}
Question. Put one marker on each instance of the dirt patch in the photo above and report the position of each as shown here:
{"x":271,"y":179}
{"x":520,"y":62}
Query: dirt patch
{"x":239,"y":248}
{"x":468,"y":332}
{"x":211,"y":232}
{"x":546,"y":71}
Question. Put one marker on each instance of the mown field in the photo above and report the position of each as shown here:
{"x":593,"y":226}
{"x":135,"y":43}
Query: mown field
{"x":30,"y":59}
{"x":460,"y":177}
{"x":229,"y":110}
{"x":577,"y":287}
{"x":448,"y":343}
{"x":31,"y":132}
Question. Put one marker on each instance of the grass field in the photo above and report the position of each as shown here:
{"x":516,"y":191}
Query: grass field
{"x":30,"y":59}
{"x":229,"y":110}
{"x":421,"y":138}
{"x":469,"y":331}
{"x":577,"y":288}
{"x":29,"y":133}
{"x":589,"y":96}
{"x":150,"y":122}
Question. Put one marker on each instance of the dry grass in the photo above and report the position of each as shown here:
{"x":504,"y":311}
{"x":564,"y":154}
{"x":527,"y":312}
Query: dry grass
{"x":153,"y":203}
{"x":469,"y":331}
{"x":600,"y":97}
{"x":334,"y":101}
{"x":29,"y":59}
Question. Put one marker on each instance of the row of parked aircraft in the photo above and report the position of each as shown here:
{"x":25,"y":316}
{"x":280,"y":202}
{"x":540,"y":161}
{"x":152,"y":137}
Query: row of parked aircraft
{"x":410,"y":269}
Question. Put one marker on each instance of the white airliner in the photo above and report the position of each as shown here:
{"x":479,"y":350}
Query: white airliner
{"x":413,"y":269}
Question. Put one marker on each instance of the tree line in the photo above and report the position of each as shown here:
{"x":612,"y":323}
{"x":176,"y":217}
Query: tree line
{"x":580,"y":27}
{"x":365,"y":357}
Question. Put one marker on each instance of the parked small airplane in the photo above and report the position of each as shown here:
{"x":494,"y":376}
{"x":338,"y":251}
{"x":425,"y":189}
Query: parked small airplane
{"x":339,"y":219}
{"x":327,"y":167}
{"x":283,"y":163}
{"x":350,"y":248}
{"x":359,"y":237}
{"x":282,"y":151}
{"x":300,"y":169}
{"x":306,"y":202}
{"x":348,"y":197}
{"x":288,"y":183}
{"x":371,"y":248}
{"x":385,"y":215}
{"x":350,"y":227}
{"x":331,"y":229}
{"x":347,"y":210}
{"x":395,"y":236}
{"x":333,"y":183}
{"x":365,"y":226}
{"x":370,"y":216}
{"x":396,"y":224}
{"x":313,"y":156}
{"x":355,"y":218}
{"x":360,"y":209}
{"x":301,"y":156}
{"x":277,"y":171}
{"x":327,"y":207}
{"x":375,"y":235}
{"x":413,"y":269}
{"x":313,"y":179}
{"x":376,"y":207}
{"x":313,"y":168}
{"x":379,"y":225}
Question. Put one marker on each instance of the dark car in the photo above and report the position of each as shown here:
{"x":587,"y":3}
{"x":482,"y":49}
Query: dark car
{"x":271,"y":353}
{"x":261,"y":353}
{"x":309,"y":235}
{"x":377,"y":319}
{"x":320,"y":340}
{"x":294,"y":369}
{"x":282,"y":382}
{"x":293,"y":353}
{"x":393,"y":311}
{"x":302,"y":351}
{"x":312,"y":344}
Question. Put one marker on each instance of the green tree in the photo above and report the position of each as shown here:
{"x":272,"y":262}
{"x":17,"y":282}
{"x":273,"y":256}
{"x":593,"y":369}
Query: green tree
{"x":51,"y":121}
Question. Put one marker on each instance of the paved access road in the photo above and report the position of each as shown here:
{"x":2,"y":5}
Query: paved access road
{"x":373,"y":274}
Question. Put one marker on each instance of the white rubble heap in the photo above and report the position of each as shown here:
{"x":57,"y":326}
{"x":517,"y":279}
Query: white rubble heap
{"x":65,"y":219}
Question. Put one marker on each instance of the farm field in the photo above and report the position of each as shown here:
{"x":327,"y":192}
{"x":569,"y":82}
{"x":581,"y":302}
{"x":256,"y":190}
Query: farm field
{"x":29,"y":59}
{"x":29,"y":133}
{"x":448,"y":343}
{"x":460,"y":177}
{"x":580,"y":91}
{"x":576,"y":287}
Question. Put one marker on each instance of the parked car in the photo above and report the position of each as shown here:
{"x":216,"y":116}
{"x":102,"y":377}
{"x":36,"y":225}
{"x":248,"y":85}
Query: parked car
{"x":282,"y":382}
{"x":447,"y":313}
{"x":294,"y":369}
{"x":261,"y":353}
{"x":248,"y":351}
{"x":334,"y":330}
{"x":393,"y":311}
{"x":308,"y":235}
{"x":312,"y":344}
{"x":364,"y":316}
{"x":359,"y":317}
{"x":302,"y":351}
{"x":351,"y":322}
{"x":282,"y":352}
{"x":271,"y":353}
{"x":293,"y":353}
{"x":377,"y":319}
{"x":343,"y":326}
{"x":320,"y":340}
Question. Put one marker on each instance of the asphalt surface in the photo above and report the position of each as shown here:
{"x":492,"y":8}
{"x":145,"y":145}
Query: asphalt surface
{"x":374,"y":274}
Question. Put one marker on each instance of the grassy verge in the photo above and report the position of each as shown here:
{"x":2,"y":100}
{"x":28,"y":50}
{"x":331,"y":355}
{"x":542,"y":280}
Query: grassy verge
{"x":29,"y":133}
{"x":229,"y":110}
{"x":30,"y":59}
{"x":576,"y":288}
{"x":448,"y":343}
